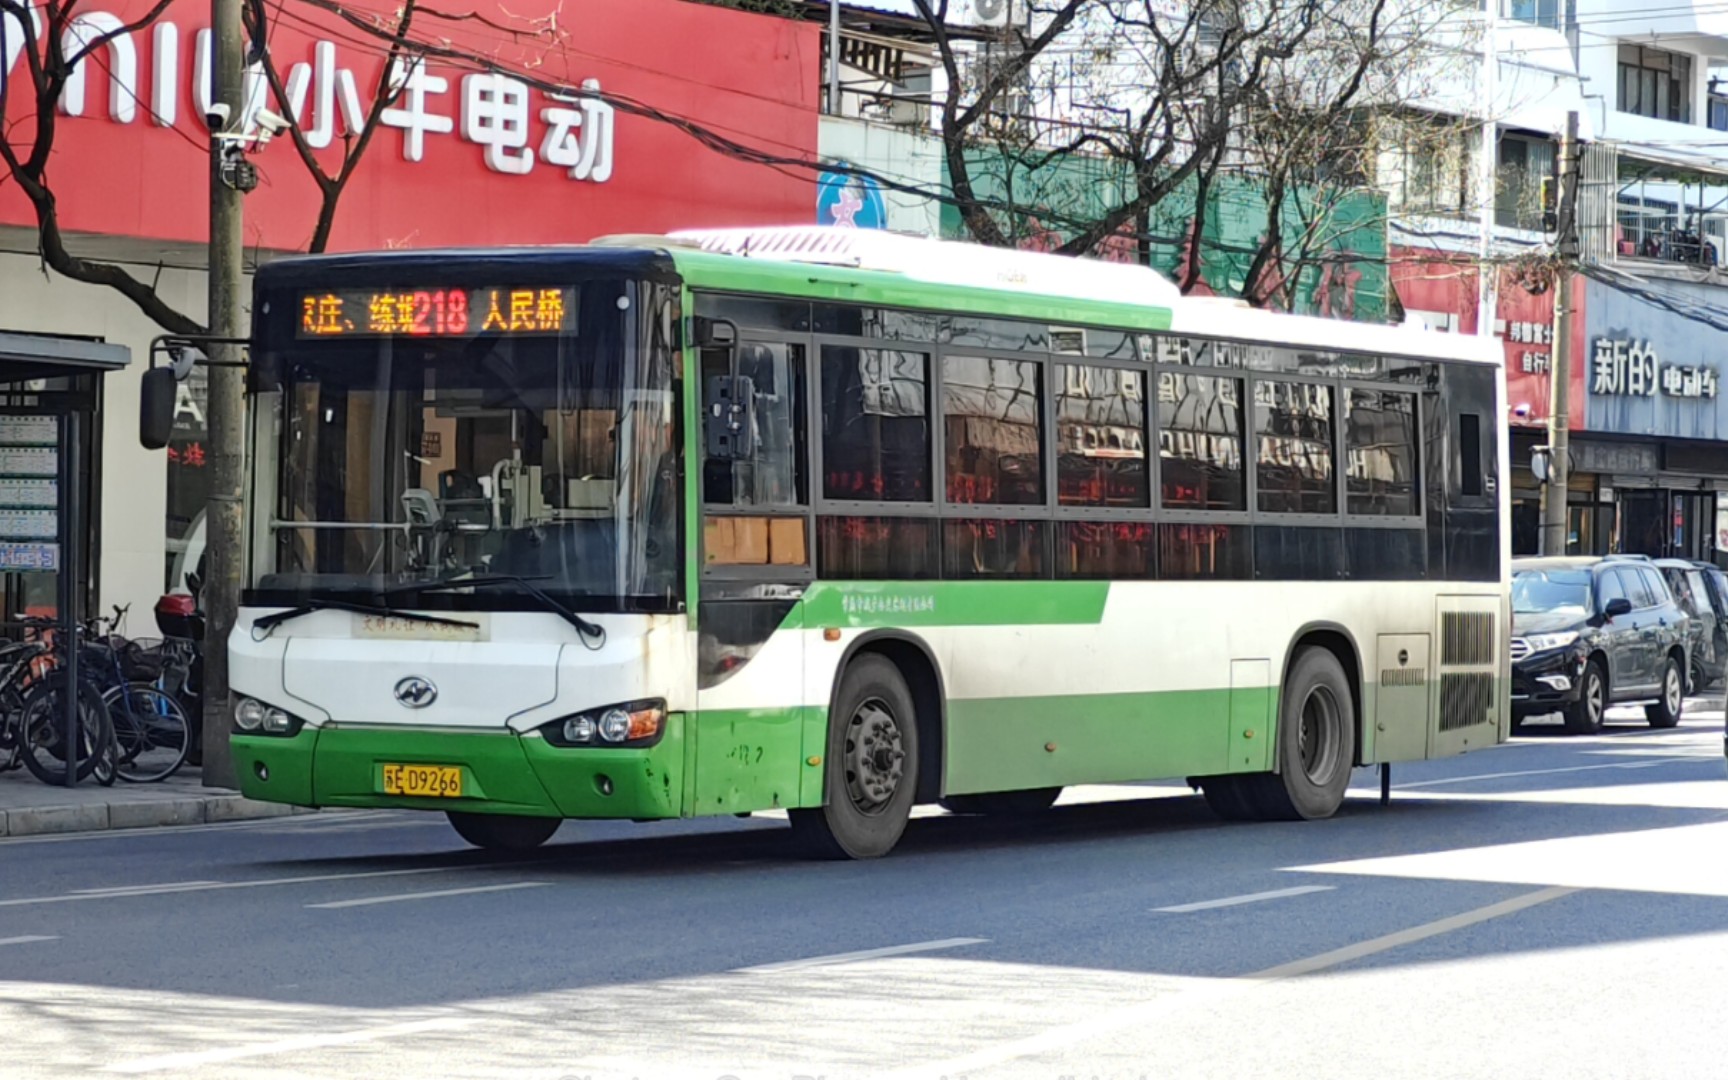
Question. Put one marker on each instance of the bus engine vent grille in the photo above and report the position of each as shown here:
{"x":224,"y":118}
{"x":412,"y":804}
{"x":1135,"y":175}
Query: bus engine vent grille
{"x":1466,"y":699}
{"x":1403,"y":676}
{"x":1466,"y":638}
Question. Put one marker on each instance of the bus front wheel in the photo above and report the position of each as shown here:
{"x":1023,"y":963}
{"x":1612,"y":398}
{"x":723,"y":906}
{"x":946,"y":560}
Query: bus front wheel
{"x":503,"y":832}
{"x":870,"y":773}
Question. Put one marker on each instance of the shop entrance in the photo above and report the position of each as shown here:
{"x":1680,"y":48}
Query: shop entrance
{"x":1663,"y":523}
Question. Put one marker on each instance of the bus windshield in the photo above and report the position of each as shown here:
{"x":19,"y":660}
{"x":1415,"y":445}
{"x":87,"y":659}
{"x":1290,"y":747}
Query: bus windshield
{"x":488,"y":431}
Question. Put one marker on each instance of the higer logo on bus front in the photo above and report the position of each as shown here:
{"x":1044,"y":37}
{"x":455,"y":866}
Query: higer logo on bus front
{"x":415,"y":692}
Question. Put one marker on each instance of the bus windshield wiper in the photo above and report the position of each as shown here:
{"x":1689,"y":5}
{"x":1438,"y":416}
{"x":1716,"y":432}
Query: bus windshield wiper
{"x":271,"y":621}
{"x":487,"y":581}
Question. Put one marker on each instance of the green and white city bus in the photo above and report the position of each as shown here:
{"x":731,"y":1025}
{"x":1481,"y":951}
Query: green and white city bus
{"x":838,"y":523}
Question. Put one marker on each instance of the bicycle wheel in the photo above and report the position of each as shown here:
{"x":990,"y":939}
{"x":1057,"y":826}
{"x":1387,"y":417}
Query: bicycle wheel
{"x":151,"y":732}
{"x":42,"y":730}
{"x":11,"y":705}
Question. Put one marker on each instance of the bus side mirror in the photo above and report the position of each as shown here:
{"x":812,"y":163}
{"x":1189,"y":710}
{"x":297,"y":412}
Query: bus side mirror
{"x":156,"y":395}
{"x":729,"y":420}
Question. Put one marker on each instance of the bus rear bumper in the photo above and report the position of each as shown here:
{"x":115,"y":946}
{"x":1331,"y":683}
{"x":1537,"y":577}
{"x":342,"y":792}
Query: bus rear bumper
{"x":501,"y":773}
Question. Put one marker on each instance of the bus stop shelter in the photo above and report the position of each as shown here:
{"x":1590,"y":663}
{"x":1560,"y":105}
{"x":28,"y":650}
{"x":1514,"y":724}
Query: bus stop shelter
{"x":50,"y":396}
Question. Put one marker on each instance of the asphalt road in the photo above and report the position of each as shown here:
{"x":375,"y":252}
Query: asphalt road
{"x":1557,"y":907}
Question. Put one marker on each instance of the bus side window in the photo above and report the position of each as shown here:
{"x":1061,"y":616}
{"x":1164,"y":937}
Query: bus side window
{"x":754,"y":514}
{"x":1469,"y":454}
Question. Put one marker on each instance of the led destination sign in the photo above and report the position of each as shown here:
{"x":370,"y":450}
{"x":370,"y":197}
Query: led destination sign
{"x":433,"y":312}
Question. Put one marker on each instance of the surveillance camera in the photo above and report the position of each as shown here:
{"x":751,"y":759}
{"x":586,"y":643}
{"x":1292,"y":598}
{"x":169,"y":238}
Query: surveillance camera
{"x":1521,"y":410}
{"x":182,"y":359}
{"x":217,"y":117}
{"x":272,"y":123}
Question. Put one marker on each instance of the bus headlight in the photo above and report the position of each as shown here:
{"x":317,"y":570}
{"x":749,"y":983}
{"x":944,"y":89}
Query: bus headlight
{"x":248,"y":714}
{"x":633,"y":723}
{"x":615,"y":725}
{"x":255,"y":717}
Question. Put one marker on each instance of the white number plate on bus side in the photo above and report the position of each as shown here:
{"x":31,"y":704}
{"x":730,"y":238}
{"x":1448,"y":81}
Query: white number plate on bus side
{"x":396,"y":628}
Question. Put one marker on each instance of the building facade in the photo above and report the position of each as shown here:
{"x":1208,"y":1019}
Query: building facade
{"x":460,"y":157}
{"x":1649,"y":449}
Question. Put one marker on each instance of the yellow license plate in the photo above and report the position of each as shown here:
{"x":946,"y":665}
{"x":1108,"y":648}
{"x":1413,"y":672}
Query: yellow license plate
{"x":431,"y":781}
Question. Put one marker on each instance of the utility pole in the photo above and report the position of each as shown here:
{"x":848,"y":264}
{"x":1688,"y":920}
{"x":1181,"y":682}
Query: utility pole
{"x":1560,"y":362}
{"x":834,"y":58}
{"x":223,"y":527}
{"x":1487,"y":277}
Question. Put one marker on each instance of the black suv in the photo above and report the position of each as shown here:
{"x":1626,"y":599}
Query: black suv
{"x":1686,"y":582}
{"x":1590,"y":632}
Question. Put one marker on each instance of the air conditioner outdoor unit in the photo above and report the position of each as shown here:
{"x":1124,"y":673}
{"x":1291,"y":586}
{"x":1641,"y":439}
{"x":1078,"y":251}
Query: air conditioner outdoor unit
{"x":996,"y":13}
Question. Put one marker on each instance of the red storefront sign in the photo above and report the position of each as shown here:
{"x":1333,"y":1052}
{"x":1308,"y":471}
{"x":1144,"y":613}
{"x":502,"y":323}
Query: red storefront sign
{"x":462,"y":157}
{"x":1442,"y":292}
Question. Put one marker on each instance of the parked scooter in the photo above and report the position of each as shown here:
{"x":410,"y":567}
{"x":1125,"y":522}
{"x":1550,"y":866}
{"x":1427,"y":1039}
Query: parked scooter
{"x":181,"y":615}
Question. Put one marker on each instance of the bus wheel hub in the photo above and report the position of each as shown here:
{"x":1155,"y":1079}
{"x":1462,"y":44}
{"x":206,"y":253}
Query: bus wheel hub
{"x":874,"y":754}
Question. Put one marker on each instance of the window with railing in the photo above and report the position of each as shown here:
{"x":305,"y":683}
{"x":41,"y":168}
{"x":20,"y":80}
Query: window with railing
{"x":1657,"y":229}
{"x":1655,"y":83}
{"x":1426,"y":168}
{"x":1524,"y":162}
{"x":1717,"y":117}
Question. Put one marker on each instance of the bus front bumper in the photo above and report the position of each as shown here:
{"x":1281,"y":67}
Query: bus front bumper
{"x":501,"y":773}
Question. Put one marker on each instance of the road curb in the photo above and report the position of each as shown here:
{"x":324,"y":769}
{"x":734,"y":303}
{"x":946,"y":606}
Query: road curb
{"x":155,"y":813}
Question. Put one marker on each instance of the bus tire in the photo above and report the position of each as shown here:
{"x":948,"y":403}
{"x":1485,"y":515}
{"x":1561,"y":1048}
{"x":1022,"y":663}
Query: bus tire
{"x":1003,"y":803}
{"x":1316,"y":742}
{"x":503,"y":832}
{"x":870,"y":773}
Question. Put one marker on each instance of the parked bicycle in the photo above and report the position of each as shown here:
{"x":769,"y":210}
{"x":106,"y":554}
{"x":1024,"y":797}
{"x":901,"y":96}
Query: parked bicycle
{"x":131,"y":726}
{"x":151,"y":731}
{"x":33,"y":696}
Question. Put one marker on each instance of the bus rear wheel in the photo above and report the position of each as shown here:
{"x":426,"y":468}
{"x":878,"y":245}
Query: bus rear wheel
{"x":503,"y":832}
{"x":1003,"y":803}
{"x":1316,"y":749}
{"x":870,"y":773}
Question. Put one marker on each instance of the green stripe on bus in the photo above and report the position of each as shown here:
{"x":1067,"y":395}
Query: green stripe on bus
{"x":1003,"y":744}
{"x":731,"y":273}
{"x":955,"y":603}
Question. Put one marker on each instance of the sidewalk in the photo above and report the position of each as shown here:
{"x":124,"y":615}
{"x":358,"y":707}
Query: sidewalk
{"x":29,"y":807}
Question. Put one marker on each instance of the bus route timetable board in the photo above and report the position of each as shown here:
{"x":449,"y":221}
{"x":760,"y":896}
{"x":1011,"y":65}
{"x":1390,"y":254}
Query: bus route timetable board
{"x":29,"y":492}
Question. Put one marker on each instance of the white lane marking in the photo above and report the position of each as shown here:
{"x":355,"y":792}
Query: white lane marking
{"x":1141,"y":1014}
{"x":191,"y":1059}
{"x":1546,"y":772}
{"x":1245,"y":898}
{"x":863,"y":954}
{"x":27,"y":939}
{"x":162,"y":890}
{"x":164,"y":885}
{"x":366,"y":901}
{"x":1336,"y":957}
